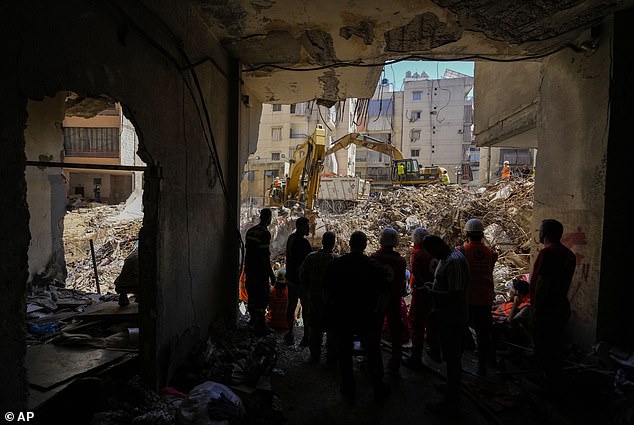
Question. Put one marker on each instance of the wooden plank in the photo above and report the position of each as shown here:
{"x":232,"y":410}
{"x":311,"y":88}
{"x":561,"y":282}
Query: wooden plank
{"x":50,"y":365}
{"x":111,"y":310}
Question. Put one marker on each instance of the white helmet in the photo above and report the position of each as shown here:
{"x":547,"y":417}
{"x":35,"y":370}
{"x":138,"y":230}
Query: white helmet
{"x":506,"y":163}
{"x":389,"y":237}
{"x":419,"y":234}
{"x":474,"y":225}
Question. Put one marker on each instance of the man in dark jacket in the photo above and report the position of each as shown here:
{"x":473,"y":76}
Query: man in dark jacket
{"x":297,"y":248}
{"x":355,"y":286}
{"x":394,"y":265}
{"x":258,"y":270}
{"x":552,"y":275}
{"x":450,"y":314}
{"x":311,"y":275}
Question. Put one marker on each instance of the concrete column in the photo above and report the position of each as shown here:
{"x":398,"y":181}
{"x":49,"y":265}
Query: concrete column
{"x":573,"y":120}
{"x":14,"y":243}
{"x":46,"y":187}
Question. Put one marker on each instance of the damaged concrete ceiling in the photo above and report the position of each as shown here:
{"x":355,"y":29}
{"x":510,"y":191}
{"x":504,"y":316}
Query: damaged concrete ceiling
{"x":323,"y":38}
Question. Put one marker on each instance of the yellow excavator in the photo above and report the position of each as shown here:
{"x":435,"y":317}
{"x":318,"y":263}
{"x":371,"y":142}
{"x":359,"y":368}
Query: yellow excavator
{"x":302,"y":183}
{"x":411,"y":173}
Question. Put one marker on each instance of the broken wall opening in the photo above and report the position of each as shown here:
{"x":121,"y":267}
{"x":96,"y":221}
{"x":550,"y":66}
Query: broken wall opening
{"x":75,"y":325}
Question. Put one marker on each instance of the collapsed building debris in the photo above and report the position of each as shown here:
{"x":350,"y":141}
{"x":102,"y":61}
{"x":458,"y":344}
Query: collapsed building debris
{"x":114,"y":236}
{"x":505,"y":208}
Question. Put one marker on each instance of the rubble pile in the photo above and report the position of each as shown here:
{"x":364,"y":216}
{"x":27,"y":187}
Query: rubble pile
{"x":505,"y":208}
{"x":114,"y":237}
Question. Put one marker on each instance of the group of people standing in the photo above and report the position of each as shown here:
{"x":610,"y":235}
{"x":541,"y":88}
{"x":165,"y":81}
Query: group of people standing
{"x":351,"y":296}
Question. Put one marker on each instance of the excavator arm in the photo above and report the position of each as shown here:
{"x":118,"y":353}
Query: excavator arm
{"x":367,"y":142}
{"x":306,"y":166}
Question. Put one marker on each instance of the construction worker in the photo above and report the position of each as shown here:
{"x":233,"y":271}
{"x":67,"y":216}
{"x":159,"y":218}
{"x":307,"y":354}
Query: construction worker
{"x":444,"y":177}
{"x":297,"y":248}
{"x":422,"y":266}
{"x":400,"y":169}
{"x":552,"y":275}
{"x":506,"y":171}
{"x":395,"y":266}
{"x":449,"y":315}
{"x":258,"y":270}
{"x":354,"y":286}
{"x":311,"y":276}
{"x":480,"y":292}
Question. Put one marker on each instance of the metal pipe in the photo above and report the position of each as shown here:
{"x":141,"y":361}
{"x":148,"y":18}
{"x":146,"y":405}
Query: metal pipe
{"x":94,"y":265}
{"x":47,"y":164}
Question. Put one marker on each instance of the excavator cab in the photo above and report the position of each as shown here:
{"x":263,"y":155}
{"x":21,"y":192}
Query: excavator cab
{"x":412,"y":173}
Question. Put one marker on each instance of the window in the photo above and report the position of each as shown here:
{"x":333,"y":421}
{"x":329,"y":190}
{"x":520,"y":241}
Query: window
{"x":277,"y":108}
{"x":275,"y":156}
{"x":293,"y":108}
{"x":249,"y":176}
{"x":414,"y":134}
{"x":95,"y":142}
{"x":415,"y":153}
{"x":415,"y":116}
{"x":417,"y":95}
{"x":276,"y":133}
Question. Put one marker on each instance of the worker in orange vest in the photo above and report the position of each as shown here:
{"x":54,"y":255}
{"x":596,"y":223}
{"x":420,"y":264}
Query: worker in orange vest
{"x":480,"y":292}
{"x":506,"y":171}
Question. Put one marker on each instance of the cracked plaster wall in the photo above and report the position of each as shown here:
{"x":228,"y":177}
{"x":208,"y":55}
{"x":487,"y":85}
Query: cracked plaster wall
{"x":189,"y":232}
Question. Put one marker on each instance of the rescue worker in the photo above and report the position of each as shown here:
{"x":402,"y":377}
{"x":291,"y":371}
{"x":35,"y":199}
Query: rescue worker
{"x":480,"y":293}
{"x":511,"y":319}
{"x":354,"y":286}
{"x":400,"y":169}
{"x":422,"y":266}
{"x":449,"y":315}
{"x":311,"y":277}
{"x":552,"y":275}
{"x":395,"y":266}
{"x":258,"y":270}
{"x":506,"y":171}
{"x":297,"y":248}
{"x":444,"y":177}
{"x":516,"y":309}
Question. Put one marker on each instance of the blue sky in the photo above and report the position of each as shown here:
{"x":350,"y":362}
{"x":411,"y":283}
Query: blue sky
{"x":435,"y":69}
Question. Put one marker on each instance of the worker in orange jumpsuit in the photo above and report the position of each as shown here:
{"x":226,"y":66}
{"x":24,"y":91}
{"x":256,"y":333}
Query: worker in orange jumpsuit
{"x":480,"y":292}
{"x":506,"y":171}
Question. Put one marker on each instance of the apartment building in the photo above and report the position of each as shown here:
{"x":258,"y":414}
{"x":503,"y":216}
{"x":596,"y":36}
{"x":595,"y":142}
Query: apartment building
{"x":437,"y":119}
{"x":108,"y":139}
{"x":282,"y":129}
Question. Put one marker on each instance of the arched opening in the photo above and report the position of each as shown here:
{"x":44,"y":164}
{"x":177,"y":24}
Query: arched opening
{"x":84,"y":193}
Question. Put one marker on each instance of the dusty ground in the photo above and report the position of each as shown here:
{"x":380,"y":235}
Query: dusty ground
{"x":309,"y":395}
{"x":113,"y":233}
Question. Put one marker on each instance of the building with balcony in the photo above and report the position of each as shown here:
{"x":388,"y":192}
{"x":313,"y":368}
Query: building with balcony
{"x":108,"y":139}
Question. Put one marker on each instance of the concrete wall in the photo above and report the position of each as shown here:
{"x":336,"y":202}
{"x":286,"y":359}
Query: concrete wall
{"x":190,"y":210}
{"x":616,"y":316}
{"x":46,"y":187}
{"x":507,"y":97}
{"x":572,"y":124}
